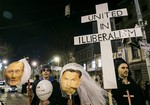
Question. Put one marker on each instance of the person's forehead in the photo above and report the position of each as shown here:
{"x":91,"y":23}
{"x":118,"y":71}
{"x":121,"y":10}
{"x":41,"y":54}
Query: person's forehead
{"x":123,"y":64}
{"x":46,"y":69}
{"x":15,"y":65}
{"x":70,"y":74}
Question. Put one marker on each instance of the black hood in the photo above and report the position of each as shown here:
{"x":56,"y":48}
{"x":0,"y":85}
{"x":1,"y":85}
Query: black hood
{"x":119,"y":61}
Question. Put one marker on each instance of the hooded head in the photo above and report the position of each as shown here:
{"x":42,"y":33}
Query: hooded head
{"x":117,"y":63}
{"x":71,"y":78}
{"x":80,"y":80}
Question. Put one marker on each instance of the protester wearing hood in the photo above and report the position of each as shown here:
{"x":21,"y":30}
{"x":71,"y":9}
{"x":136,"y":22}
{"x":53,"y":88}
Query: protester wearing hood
{"x":128,"y":91}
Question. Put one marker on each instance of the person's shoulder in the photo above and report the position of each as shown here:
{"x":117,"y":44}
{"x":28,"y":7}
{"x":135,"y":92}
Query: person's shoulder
{"x":55,"y":81}
{"x":36,"y":82}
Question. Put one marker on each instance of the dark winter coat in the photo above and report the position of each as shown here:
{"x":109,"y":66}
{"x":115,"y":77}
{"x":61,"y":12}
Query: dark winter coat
{"x":55,"y":98}
{"x":133,"y":88}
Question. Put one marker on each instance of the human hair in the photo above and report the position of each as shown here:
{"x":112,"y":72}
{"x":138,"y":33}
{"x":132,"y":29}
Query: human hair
{"x":14,"y":63}
{"x":117,"y":63}
{"x":76,"y":71}
{"x":37,"y":77}
{"x":45,"y":67}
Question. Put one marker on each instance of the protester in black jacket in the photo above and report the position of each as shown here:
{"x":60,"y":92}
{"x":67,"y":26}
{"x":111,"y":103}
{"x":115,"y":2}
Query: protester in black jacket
{"x":126,"y":86}
{"x":56,"y":97}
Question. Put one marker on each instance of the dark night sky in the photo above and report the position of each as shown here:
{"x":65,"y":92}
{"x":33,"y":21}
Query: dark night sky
{"x":39,"y":28}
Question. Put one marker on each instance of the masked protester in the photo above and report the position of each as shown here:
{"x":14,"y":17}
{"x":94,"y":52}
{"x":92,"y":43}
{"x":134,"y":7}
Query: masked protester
{"x":74,"y":80}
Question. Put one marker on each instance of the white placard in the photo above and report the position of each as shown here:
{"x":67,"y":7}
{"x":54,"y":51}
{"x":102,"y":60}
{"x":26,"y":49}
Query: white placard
{"x":113,"y":35}
{"x":104,"y":35}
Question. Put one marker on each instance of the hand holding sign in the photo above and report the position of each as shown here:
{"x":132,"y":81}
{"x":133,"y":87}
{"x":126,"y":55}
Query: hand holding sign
{"x":44,"y":90}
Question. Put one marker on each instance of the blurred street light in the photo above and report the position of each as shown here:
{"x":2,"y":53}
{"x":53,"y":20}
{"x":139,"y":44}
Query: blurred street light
{"x":34,"y":63}
{"x":57,"y":59}
{"x":5,"y":61}
{"x":3,"y":65}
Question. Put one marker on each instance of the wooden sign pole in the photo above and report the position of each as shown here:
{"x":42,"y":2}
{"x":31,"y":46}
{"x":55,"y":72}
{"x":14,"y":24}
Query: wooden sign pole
{"x":110,"y":97}
{"x":29,"y":93}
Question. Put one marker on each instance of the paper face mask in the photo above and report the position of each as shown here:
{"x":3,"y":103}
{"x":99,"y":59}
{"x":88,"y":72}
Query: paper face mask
{"x":70,"y":81}
{"x":17,"y":72}
{"x":13,"y":73}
